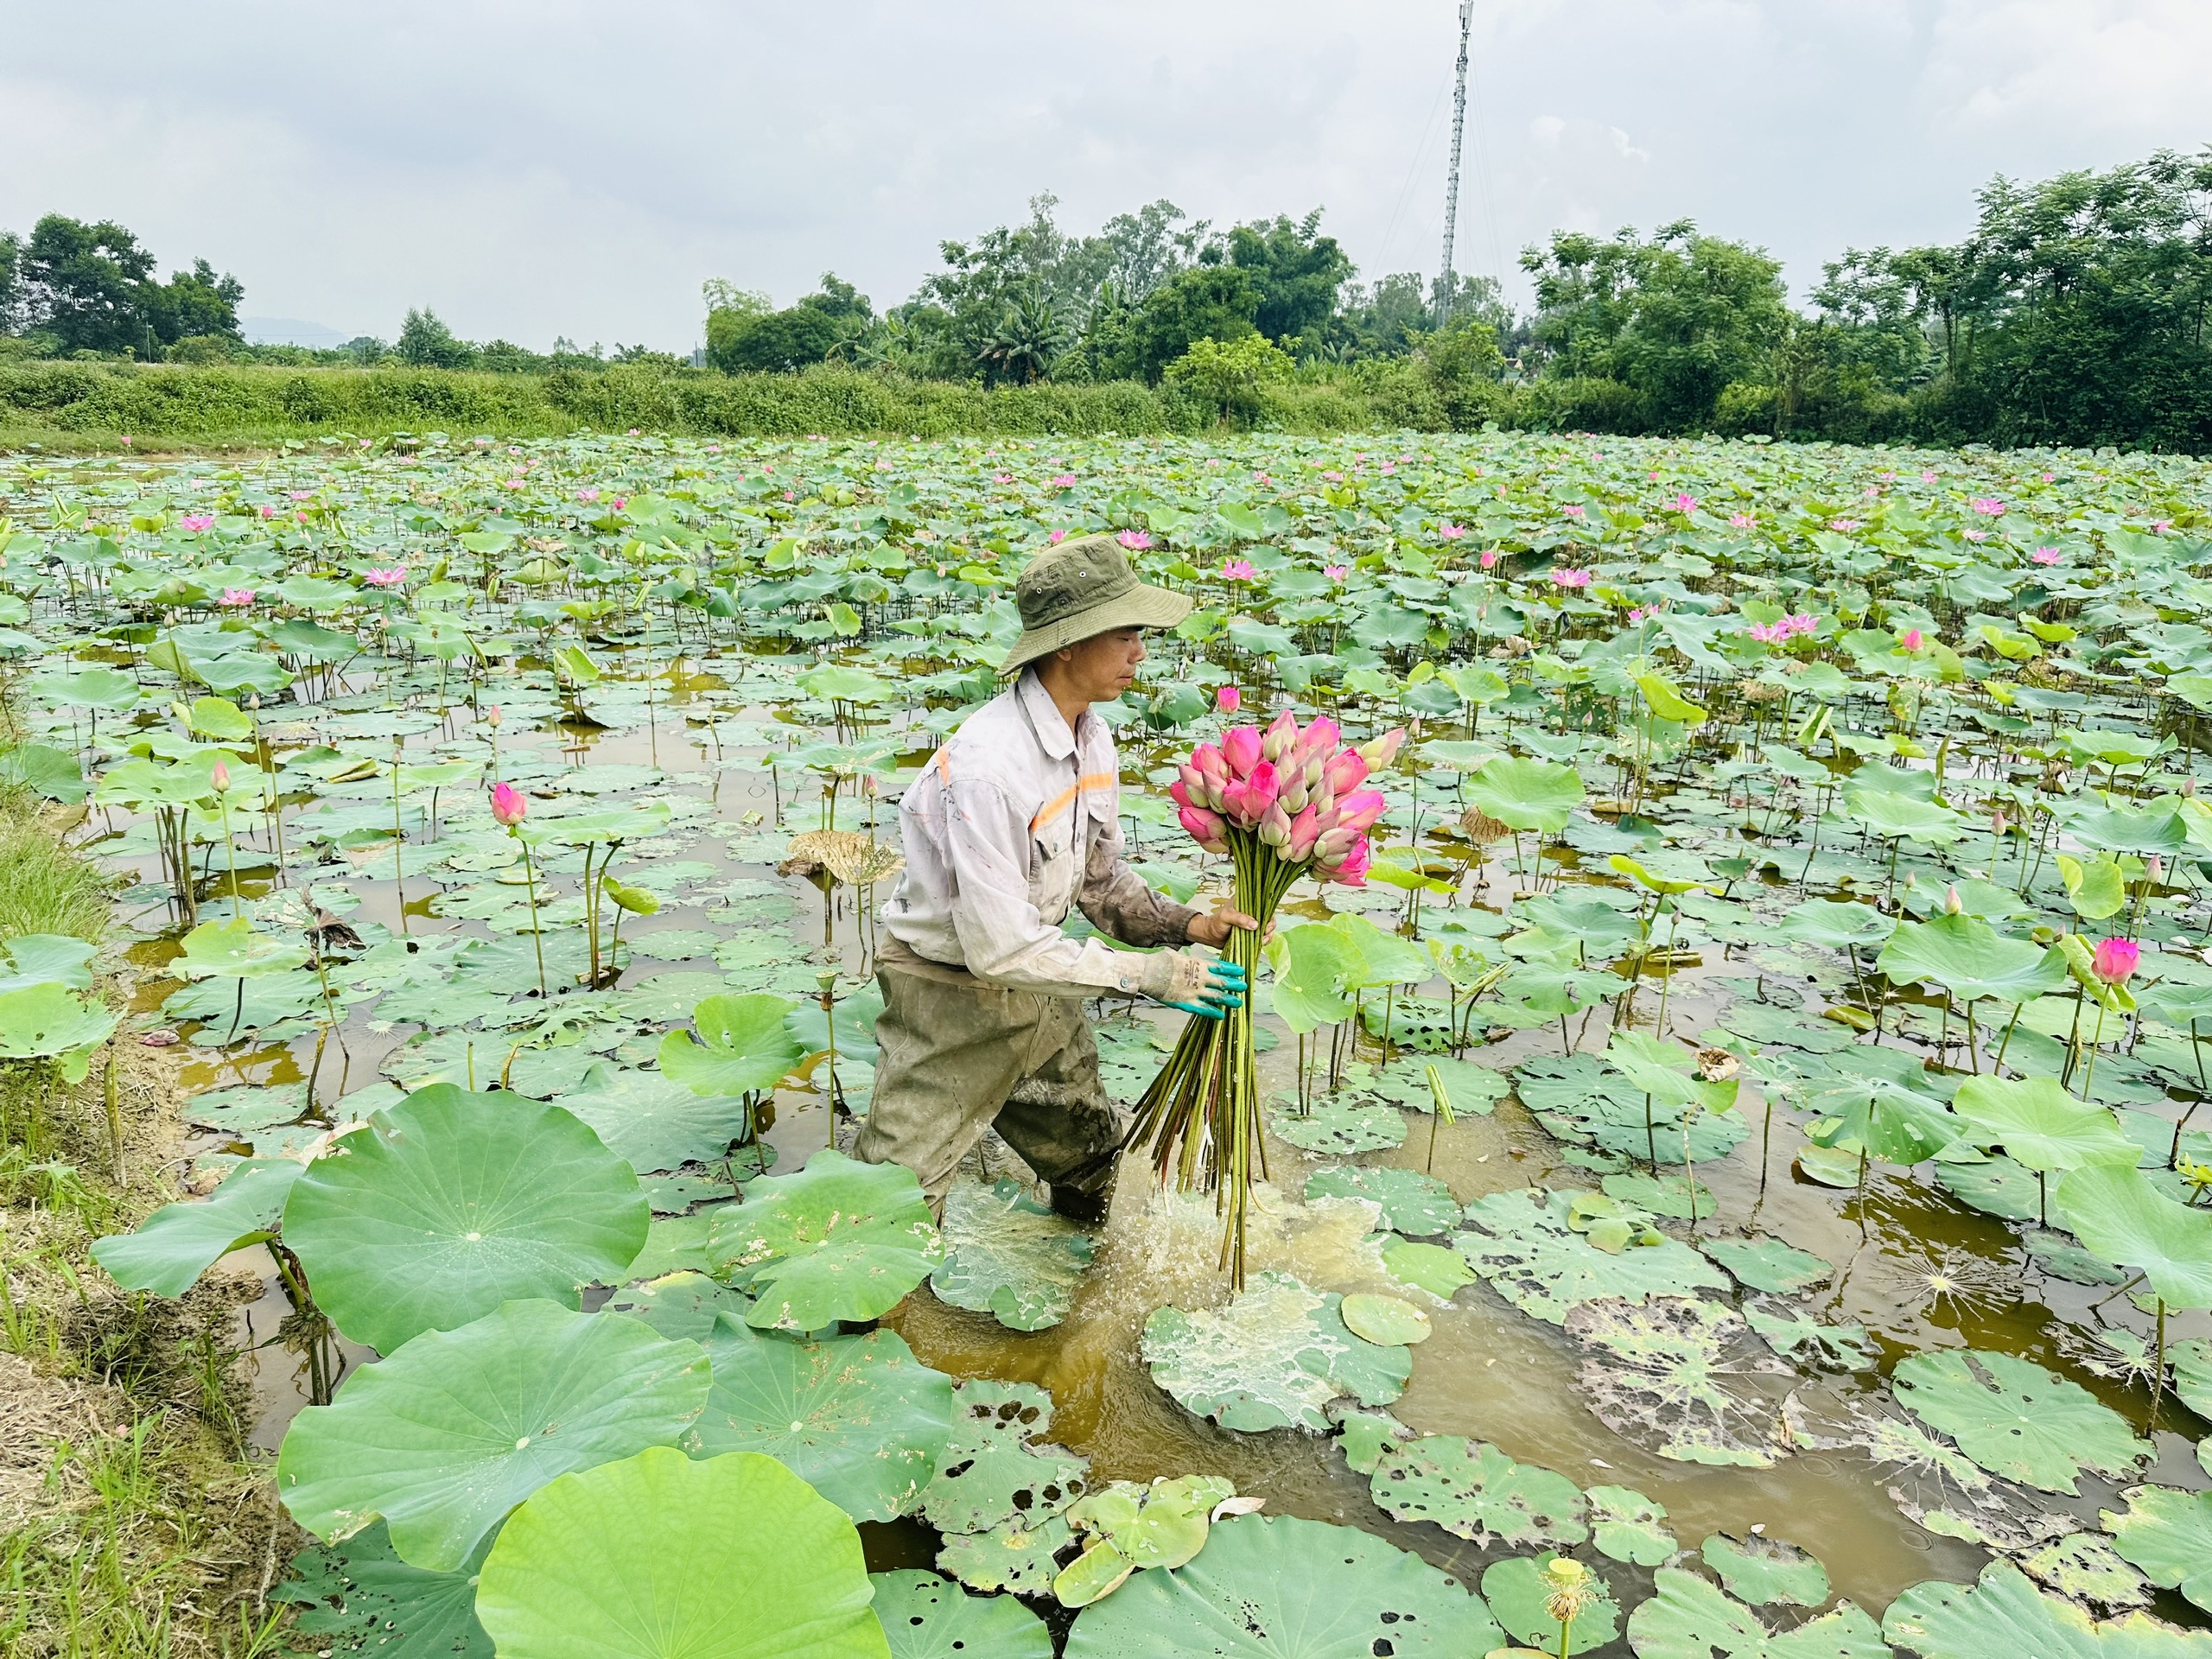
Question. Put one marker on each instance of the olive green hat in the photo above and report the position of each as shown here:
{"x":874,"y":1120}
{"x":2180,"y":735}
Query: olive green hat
{"x":1082,"y":589}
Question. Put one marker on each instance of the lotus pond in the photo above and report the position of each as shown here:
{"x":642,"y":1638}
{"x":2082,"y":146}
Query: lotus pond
{"x":1736,"y":1182}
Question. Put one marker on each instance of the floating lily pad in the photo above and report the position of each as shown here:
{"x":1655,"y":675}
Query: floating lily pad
{"x":1681,"y":1377}
{"x":1582,"y":1100}
{"x":2168,"y":1534}
{"x":1417,"y":1206}
{"x":1161,"y":1524}
{"x":1761,"y":1571}
{"x":1009,"y":1256}
{"x":651,"y":1121}
{"x":2016,"y":1419}
{"x":1366,"y":1436}
{"x":925,"y":1616}
{"x":2002,"y":1613}
{"x":2084,"y":1567}
{"x":1692,"y":1619}
{"x":1796,"y":1336}
{"x":839,"y":1240}
{"x":1273,"y":1358}
{"x":1435,"y":1268}
{"x":995,"y":1467}
{"x":1518,"y":1592}
{"x":1472,"y":1489}
{"x":1389,"y":1320}
{"x":2064,"y":1258}
{"x":1662,"y":1195}
{"x":1999,"y":1187}
{"x":1768,"y":1264}
{"x":1269,"y":1586}
{"x":1021,"y":1556}
{"x":1625,"y":1525}
{"x":1338,"y":1127}
{"x":1522,"y":1244}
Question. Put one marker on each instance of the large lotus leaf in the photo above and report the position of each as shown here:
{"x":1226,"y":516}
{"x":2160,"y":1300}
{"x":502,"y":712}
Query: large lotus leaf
{"x":2168,"y":1532}
{"x":995,"y":1467}
{"x":2016,"y":1419}
{"x":361,"y":1597}
{"x":1312,"y":967}
{"x":1691,"y":1618}
{"x":1838,"y":925}
{"x":1677,"y":1374}
{"x":1999,"y":1187}
{"x":685,"y":1305}
{"x":1526,"y":794}
{"x":2083,"y":1566}
{"x":1890,"y":815}
{"x":48,"y":1019}
{"x":652,"y":1121}
{"x":2122,"y":1218}
{"x":925,"y":1616}
{"x":1019,"y":1555}
{"x":446,"y":1436}
{"x":1522,"y":1245}
{"x":743,"y":1047}
{"x":1009,"y":1256}
{"x":42,"y":958}
{"x":90,"y":687}
{"x":1417,"y":1205}
{"x":839,"y":1240}
{"x":1625,"y":1525}
{"x":1768,"y":1264}
{"x":439,"y":1209}
{"x":1472,"y":1489}
{"x":1278,"y":1587}
{"x":1580,"y":1098}
{"x":1273,"y":1358}
{"x":2042,"y":1127}
{"x":179,"y":1241}
{"x":1331,"y":1127}
{"x":1519,"y":1593}
{"x":659,"y":1556}
{"x":859,"y":1418}
{"x":234,"y":949}
{"x":2004,"y":1616}
{"x":1970,"y":959}
{"x":1761,"y":1570}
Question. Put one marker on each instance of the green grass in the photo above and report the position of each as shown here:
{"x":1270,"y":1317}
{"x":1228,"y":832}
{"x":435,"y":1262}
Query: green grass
{"x":44,"y":888}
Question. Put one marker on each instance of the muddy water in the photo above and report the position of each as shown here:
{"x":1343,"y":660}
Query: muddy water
{"x":1487,"y":1371}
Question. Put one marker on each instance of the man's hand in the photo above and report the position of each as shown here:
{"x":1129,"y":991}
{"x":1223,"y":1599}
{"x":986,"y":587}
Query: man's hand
{"x":1213,"y":928}
{"x":1201,"y":985}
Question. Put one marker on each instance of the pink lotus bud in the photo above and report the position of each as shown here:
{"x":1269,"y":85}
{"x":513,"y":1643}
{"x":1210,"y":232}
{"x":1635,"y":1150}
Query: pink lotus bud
{"x":1381,"y":752}
{"x":1296,"y":796}
{"x":220,"y":776}
{"x":1180,"y":792}
{"x":1997,"y":822}
{"x":1333,"y":843}
{"x":2155,"y":867}
{"x":1346,"y":770}
{"x":1305,"y":830}
{"x":492,"y":716}
{"x":1228,"y":698}
{"x":1212,"y":764}
{"x":2115,"y":960}
{"x":1360,"y":811}
{"x":1318,"y":741}
{"x":1207,"y":829}
{"x":1282,"y":737}
{"x":1275,"y":825}
{"x":1264,"y":784}
{"x":508,"y":806}
{"x":1951,"y":903}
{"x":1351,"y":872}
{"x":1240,"y":747}
{"x":1909,"y":639}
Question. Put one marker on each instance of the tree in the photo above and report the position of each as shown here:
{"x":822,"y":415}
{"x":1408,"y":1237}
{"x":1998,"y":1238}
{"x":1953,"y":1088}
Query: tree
{"x":426,"y":343}
{"x":1028,"y":339}
{"x":1230,"y":377}
{"x":195,"y":304}
{"x":1204,"y":303}
{"x":1296,"y":271}
{"x":745,"y":336}
{"x":86,"y":284}
{"x":11,"y":286}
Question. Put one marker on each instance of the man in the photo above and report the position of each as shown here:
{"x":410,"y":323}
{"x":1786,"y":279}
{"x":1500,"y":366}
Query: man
{"x":1014,"y":821}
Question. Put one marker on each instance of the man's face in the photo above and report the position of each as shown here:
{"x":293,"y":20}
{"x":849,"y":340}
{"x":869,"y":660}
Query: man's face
{"x":1101,"y":668}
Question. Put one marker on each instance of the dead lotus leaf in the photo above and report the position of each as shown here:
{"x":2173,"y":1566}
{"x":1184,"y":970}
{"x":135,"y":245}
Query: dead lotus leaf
{"x":849,"y":857}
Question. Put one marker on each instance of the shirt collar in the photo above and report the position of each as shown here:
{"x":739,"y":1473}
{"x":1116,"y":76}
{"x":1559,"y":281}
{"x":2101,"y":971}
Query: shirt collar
{"x":1053,"y":732}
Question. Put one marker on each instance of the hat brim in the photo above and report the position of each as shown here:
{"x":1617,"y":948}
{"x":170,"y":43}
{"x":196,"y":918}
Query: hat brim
{"x":1143,"y":606}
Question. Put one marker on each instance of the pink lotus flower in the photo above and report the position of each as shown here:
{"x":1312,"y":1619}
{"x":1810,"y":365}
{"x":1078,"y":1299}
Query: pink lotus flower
{"x":1056,"y":538}
{"x":1975,"y":535}
{"x":1249,"y":798}
{"x":1135,"y":540}
{"x":2044,"y":556}
{"x":1228,"y":699}
{"x":1570,"y":578}
{"x":2160,"y":526}
{"x":1929,"y":476}
{"x":1909,"y":639}
{"x":1685,"y":502}
{"x":508,"y":806}
{"x":1350,"y":870}
{"x":1208,"y":828}
{"x":2114,"y":962}
{"x":1451,"y":532}
{"x":1988,"y":506}
{"x":1488,"y":560}
{"x":1238,"y":570}
{"x":1637,"y":612}
{"x":1318,"y":742}
{"x":1742,"y":520}
{"x":1336,"y":572}
{"x":1064,"y":482}
{"x":1334,"y":478}
{"x":1305,"y":830}
{"x":618,"y":503}
{"x":1843,"y":526}
{"x":1001,"y":478}
{"x":492,"y":716}
{"x":1346,"y":770}
{"x":390,"y":577}
{"x":1240,"y":747}
{"x":1803,"y":622}
{"x":302,"y":495}
{"x":194,"y":523}
{"x":1574,"y":509}
{"x":588,"y":494}
{"x":236,"y":597}
{"x":1360,"y":811}
{"x":267,"y":511}
{"x":513,"y":484}
{"x":2051,"y":478}
{"x":1770,"y":633}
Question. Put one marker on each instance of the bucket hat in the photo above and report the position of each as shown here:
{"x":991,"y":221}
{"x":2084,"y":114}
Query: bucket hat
{"x":1082,"y":589}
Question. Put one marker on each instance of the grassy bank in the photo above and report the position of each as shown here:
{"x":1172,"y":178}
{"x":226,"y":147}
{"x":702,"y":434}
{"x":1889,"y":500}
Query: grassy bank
{"x":131,"y":1526}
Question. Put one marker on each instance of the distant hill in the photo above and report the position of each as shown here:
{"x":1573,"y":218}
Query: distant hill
{"x":291,"y":331}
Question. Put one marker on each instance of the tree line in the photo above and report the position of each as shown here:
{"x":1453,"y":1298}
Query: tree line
{"x":2073,"y":311}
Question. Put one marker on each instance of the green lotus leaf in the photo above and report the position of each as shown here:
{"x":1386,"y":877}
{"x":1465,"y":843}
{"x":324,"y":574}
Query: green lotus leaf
{"x":46,"y":1019}
{"x":1527,"y":794}
{"x":1580,"y":1098}
{"x":2168,"y":1534}
{"x":48,"y":959}
{"x":1437,"y":1269}
{"x":1522,"y":1244}
{"x":859,"y":1418}
{"x":367,"y":1600}
{"x":1760,"y":1570}
{"x":1681,"y":1376}
{"x":45,"y":771}
{"x":89,"y":688}
{"x":1097,"y":1573}
{"x":1473,"y":1490}
{"x":659,"y":1556}
{"x":2192,"y":1363}
{"x":1311,"y":968}
{"x":179,"y":1241}
{"x":1417,"y":1206}
{"x":447,"y":1435}
{"x":839,"y":1240}
{"x":1970,"y":959}
{"x":925,"y":1616}
{"x":2002,"y":1613}
{"x":233,"y":950}
{"x":1518,"y":1594}
{"x":1019,"y":1555}
{"x":2094,"y":890}
{"x":1840,"y":926}
{"x":1624,"y":1525}
{"x":684,"y":1304}
{"x":1768,"y":1264}
{"x":2122,"y":1218}
{"x":1269,"y":1587}
{"x":2016,"y":1419}
{"x":2083,"y":1566}
{"x":1999,"y":1187}
{"x":743,"y":1047}
{"x":1890,"y":816}
{"x":1390,"y":1321}
{"x":1009,"y":1256}
{"x":844,"y":684}
{"x":2042,"y":1127}
{"x":434,"y":1212}
{"x":652,"y":1121}
{"x":1691,"y":1618}
{"x":1271,"y":1358}
{"x":995,"y":1467}
{"x":1331,"y":1127}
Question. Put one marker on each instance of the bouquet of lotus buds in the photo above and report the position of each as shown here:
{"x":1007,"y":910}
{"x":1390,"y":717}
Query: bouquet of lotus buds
{"x":1280,"y":803}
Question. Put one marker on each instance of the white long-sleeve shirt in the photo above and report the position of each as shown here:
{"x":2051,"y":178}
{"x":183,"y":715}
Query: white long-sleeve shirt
{"x":1014,"y":822}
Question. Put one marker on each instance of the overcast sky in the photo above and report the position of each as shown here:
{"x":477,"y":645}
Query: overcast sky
{"x":529,"y":169}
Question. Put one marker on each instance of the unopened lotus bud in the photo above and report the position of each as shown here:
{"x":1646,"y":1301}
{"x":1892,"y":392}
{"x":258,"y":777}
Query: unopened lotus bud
{"x":2155,"y":867}
{"x":1333,"y":844}
{"x":1951,"y":903}
{"x":1295,"y":797}
{"x":1316,"y":769}
{"x":1346,"y":771}
{"x":1319,"y":740}
{"x":492,"y":716}
{"x":1240,"y":747}
{"x":1280,"y":737}
{"x":220,"y":776}
{"x":1304,"y":831}
{"x":1361,"y":810}
{"x":508,"y":806}
{"x":1275,"y":826}
{"x":1383,"y":750}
